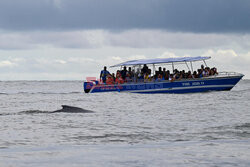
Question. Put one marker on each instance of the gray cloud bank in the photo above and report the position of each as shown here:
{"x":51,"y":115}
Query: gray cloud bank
{"x":203,"y":16}
{"x":90,"y":39}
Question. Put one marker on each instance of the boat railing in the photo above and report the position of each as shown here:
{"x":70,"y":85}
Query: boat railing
{"x":226,"y":74}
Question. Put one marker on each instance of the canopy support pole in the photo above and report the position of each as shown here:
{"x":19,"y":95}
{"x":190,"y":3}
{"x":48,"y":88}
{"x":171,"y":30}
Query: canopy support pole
{"x":134,"y":79}
{"x":153,"y":69}
{"x":173,"y":66}
{"x":205,"y":63}
{"x":187,"y":66}
{"x":192,"y":67}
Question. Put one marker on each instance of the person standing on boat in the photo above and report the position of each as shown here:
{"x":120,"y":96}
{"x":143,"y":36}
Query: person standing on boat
{"x":159,"y":72}
{"x":124,"y":72}
{"x":144,"y":69}
{"x":104,"y":74}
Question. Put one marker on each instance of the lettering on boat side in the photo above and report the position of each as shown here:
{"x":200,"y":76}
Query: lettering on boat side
{"x":197,"y":83}
{"x":192,"y":83}
{"x":107,"y":88}
{"x":186,"y":84}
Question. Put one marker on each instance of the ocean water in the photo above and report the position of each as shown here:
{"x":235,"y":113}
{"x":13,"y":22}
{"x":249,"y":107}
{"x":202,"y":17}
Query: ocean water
{"x":201,"y":129}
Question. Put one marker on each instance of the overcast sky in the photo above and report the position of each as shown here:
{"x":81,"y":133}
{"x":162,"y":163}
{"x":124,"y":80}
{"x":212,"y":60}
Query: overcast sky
{"x":73,"y":39}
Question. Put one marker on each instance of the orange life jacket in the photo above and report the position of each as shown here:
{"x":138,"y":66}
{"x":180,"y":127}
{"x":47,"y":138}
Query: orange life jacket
{"x":119,"y":80}
{"x":109,"y":81}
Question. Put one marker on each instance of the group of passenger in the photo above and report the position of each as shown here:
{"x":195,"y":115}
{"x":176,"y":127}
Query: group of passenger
{"x":144,"y":75}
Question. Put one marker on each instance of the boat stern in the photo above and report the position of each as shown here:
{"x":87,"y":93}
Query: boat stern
{"x":87,"y":86}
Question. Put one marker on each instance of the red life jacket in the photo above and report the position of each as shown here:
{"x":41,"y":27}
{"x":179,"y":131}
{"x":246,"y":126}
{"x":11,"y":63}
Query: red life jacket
{"x":119,"y":80}
{"x":109,"y":81}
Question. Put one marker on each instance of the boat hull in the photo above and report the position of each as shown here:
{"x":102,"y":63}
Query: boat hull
{"x":181,"y":86}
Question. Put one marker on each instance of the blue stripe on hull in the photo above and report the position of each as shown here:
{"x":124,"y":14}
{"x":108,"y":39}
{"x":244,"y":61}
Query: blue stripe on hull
{"x":184,"y":86}
{"x":193,"y":90}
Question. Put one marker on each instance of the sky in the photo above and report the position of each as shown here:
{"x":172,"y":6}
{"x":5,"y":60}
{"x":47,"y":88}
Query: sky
{"x":74,"y":39}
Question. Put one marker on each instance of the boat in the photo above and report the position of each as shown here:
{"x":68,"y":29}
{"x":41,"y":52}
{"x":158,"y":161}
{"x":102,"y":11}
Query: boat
{"x":221,"y":81}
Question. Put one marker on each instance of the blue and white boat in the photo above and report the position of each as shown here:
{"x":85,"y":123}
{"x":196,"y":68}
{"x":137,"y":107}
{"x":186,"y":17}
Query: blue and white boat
{"x":221,"y":81}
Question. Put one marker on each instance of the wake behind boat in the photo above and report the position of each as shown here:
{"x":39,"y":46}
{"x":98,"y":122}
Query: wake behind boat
{"x":138,"y":78}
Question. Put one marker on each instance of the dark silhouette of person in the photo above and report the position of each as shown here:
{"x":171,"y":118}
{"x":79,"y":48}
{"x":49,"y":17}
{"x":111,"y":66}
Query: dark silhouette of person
{"x":124,"y":72}
{"x":104,"y":74}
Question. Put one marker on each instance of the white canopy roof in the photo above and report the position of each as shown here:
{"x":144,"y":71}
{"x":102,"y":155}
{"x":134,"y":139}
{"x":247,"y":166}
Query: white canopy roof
{"x":161,"y":61}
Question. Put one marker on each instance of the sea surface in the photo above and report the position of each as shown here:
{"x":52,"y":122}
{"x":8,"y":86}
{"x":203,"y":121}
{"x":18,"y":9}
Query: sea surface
{"x":124,"y":130}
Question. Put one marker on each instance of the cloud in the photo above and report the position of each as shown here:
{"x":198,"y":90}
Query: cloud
{"x":207,"y":16}
{"x":229,"y":60}
{"x":6,"y":63}
{"x":167,"y":55}
{"x":12,"y":41}
{"x":38,"y":67}
{"x":78,"y":67}
{"x":32,"y":40}
{"x":9,"y":63}
{"x":60,"y":61}
{"x":175,"y":40}
{"x":89,"y":39}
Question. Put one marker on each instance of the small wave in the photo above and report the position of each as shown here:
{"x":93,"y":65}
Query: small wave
{"x":133,"y":138}
{"x":5,"y":114}
{"x":51,"y":93}
{"x":237,"y":127}
{"x":243,"y":126}
{"x":180,"y":140}
{"x":48,"y":93}
{"x":229,"y":131}
{"x":41,"y":93}
{"x":24,"y":112}
{"x":33,"y":112}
